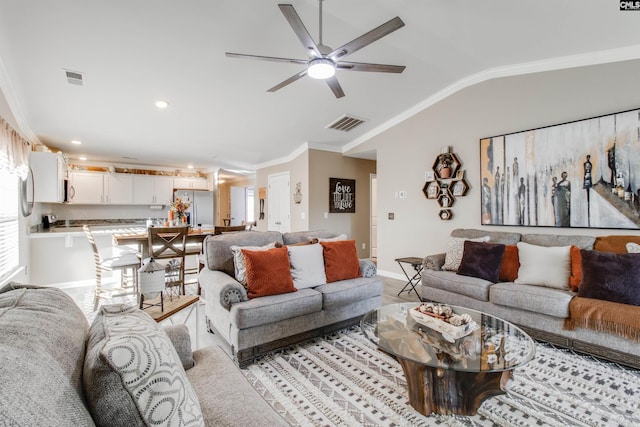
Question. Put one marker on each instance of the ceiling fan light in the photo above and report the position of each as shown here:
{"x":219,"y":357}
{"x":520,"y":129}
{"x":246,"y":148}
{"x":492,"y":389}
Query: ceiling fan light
{"x":321,"y":68}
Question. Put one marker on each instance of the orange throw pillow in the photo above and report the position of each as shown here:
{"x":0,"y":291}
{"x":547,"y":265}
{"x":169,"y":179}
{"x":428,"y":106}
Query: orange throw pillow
{"x":510,"y":264}
{"x":268,"y":272}
{"x":575,"y":279}
{"x":340,"y":260}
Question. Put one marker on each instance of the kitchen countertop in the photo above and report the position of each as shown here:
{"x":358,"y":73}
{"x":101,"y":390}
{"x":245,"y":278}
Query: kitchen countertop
{"x":95,"y":229}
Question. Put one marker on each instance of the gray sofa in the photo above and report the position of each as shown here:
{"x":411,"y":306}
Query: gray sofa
{"x":253,"y":327}
{"x":541,"y":311}
{"x":50,"y":361}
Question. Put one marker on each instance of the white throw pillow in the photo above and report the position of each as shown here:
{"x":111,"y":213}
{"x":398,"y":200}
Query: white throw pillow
{"x":307,"y":266}
{"x":633,"y":248}
{"x":238,"y":260}
{"x":332,"y":239}
{"x":455,"y":249}
{"x":544,"y":266}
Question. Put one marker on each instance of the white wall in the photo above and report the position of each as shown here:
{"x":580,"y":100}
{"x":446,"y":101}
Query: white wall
{"x":495,"y":107}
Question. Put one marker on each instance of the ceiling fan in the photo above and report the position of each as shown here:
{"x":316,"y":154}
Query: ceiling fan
{"x":323,"y":60}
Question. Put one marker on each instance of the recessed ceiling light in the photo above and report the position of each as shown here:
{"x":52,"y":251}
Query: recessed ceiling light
{"x":190,"y":167}
{"x":83,"y":158}
{"x":162,"y":104}
{"x":76,"y":142}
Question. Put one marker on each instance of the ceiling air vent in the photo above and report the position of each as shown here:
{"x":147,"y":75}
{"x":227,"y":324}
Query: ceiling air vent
{"x":74,"y":77}
{"x":346,"y":123}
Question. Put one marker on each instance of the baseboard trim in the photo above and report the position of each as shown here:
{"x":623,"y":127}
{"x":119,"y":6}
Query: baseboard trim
{"x":391,"y":275}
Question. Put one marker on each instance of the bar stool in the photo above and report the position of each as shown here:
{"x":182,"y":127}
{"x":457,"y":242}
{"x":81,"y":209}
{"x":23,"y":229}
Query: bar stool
{"x":124,"y":263}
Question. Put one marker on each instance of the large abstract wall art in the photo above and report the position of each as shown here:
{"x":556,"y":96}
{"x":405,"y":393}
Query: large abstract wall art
{"x":584,"y":173}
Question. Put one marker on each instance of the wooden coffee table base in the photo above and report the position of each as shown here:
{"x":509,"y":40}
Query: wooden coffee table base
{"x":448,"y":392}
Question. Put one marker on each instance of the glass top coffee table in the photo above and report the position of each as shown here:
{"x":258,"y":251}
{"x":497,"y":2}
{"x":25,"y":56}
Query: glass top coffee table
{"x":446,"y":375}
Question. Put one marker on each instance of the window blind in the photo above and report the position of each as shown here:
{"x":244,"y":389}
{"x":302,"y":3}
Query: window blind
{"x":9,"y":205}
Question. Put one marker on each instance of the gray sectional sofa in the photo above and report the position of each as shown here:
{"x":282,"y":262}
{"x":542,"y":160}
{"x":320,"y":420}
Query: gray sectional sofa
{"x":53,"y":370}
{"x":253,"y":327}
{"x":541,"y":311}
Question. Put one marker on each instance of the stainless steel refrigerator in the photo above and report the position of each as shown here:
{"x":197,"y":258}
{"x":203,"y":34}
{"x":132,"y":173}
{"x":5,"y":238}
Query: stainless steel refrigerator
{"x":200,"y":212}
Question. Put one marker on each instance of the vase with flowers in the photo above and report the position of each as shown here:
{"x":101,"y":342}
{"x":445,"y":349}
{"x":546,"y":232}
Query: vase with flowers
{"x":178,"y":209}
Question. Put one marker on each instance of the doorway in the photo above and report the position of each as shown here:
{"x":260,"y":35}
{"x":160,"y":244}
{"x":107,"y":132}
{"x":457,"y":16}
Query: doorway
{"x":373,"y":244}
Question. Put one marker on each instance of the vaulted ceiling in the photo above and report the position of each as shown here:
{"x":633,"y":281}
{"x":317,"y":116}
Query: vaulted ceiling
{"x":133,"y":53}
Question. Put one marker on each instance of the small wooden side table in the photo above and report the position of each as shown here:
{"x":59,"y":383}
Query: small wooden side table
{"x":173,"y":305}
{"x":412,"y":281}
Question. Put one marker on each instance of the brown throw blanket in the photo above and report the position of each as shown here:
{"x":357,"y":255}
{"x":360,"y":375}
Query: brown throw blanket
{"x":604,"y":316}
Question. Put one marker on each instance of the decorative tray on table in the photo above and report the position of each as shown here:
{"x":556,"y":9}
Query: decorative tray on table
{"x":441,"y":318}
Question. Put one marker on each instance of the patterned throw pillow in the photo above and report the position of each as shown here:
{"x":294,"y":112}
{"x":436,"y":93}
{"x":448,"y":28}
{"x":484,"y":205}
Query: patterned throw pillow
{"x":633,"y":248}
{"x":455,"y":250}
{"x":238,"y":260}
{"x":268,"y":272}
{"x":133,"y":375}
{"x":338,"y":238}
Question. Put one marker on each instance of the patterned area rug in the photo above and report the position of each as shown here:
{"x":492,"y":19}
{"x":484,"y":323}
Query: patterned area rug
{"x":342,"y":380}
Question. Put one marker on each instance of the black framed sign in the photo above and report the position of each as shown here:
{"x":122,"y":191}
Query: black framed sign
{"x":342,"y":195}
{"x":583,"y":174}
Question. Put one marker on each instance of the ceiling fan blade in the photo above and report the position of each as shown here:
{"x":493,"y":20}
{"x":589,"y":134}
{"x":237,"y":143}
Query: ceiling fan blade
{"x":266,"y":58}
{"x":301,"y":31}
{"x":367,"y":38}
{"x":290,"y":80}
{"x":379,"y":68}
{"x":335,"y":87}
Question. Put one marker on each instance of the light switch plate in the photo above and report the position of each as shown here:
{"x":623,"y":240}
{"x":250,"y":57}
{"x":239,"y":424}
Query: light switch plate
{"x":402,"y":194}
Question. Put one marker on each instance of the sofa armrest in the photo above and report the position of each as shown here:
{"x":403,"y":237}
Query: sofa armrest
{"x":434,"y":262}
{"x":219,"y":286}
{"x":179,"y":336}
{"x":368,"y":268}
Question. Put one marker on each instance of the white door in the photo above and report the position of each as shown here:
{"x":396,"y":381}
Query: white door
{"x":279,"y":202}
{"x":238,"y":205}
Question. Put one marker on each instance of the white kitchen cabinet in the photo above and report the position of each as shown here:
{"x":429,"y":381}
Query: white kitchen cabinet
{"x":190,"y":183}
{"x":86,"y":187}
{"x":49,"y":173}
{"x":118,"y":188}
{"x":152,"y":189}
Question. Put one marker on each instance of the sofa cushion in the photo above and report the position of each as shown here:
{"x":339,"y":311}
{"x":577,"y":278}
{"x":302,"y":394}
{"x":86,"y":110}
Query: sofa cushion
{"x":341,"y":260}
{"x":273,"y":308}
{"x":303,"y":236}
{"x":464,"y":285}
{"x":482,"y":260}
{"x":345,"y":292}
{"x":583,"y":242}
{"x":132,"y":373}
{"x":268,"y":272}
{"x":455,"y":250}
{"x":239,"y":266}
{"x":42,"y":336}
{"x":544,"y":266}
{"x":218,"y":248}
{"x":616,"y":243}
{"x":307,"y":266}
{"x":549,"y":301}
{"x":611,"y":277}
{"x":504,"y":237}
{"x":509,"y":265}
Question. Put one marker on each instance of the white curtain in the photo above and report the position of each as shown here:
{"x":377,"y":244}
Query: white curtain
{"x":14,"y":151}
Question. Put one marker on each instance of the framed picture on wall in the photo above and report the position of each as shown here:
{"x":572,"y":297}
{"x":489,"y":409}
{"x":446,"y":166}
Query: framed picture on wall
{"x":583,"y":174}
{"x":342,"y":195}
